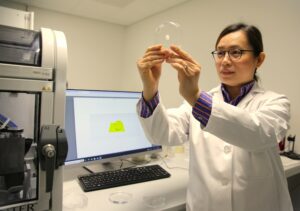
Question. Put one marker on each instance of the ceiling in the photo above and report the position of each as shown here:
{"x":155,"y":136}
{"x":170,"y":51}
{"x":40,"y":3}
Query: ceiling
{"x":123,"y":12}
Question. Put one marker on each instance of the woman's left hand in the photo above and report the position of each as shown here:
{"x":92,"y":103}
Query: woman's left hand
{"x":188,"y":74}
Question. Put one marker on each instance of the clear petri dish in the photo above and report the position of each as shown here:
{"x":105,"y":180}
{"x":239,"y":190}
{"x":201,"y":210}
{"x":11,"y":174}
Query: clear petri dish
{"x":156,"y":202}
{"x":168,"y":33}
{"x":74,"y":201}
{"x":120,"y":197}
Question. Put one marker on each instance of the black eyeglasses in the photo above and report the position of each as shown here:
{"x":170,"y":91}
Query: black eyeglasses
{"x":234,"y":54}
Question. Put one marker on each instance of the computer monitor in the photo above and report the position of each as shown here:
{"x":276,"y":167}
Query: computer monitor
{"x":103,"y":125}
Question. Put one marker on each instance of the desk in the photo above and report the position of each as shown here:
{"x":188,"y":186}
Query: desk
{"x":291,"y":167}
{"x":292,"y":172}
{"x":173,"y":189}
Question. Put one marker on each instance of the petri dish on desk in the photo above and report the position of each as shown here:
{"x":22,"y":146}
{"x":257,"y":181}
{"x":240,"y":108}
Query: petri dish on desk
{"x":156,"y":202}
{"x":120,"y":197}
{"x":73,"y":201}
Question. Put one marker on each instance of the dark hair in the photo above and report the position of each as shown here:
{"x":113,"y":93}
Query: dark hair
{"x":252,"y":33}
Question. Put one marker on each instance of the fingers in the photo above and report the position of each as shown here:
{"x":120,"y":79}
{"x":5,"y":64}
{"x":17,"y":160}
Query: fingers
{"x":157,"y":50}
{"x":154,"y":47}
{"x":182,"y":54}
{"x":183,"y":62}
{"x":188,"y":70}
{"x":153,"y":56}
{"x":150,"y":61}
{"x":147,"y":64}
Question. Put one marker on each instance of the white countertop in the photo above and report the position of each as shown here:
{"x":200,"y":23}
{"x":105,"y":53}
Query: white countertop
{"x":291,"y":167}
{"x":166,"y":194}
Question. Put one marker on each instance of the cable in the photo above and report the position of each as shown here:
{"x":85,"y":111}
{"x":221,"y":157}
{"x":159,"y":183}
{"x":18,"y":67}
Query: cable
{"x":169,"y":167}
{"x":87,"y":169}
{"x":135,"y":163}
{"x":121,"y":164}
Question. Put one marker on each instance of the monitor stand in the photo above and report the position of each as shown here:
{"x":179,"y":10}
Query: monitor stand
{"x":117,"y":164}
{"x":123,"y":163}
{"x":100,"y":167}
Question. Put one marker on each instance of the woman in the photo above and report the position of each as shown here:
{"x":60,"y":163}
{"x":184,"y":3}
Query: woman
{"x":233,"y":129}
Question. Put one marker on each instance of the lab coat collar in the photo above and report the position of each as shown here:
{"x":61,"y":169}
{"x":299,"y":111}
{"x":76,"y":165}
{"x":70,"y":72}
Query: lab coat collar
{"x":217,"y":92}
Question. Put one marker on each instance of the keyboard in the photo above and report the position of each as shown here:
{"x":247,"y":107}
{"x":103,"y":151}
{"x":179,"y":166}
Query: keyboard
{"x":120,"y":177}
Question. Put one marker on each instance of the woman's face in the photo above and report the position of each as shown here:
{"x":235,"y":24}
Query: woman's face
{"x":234,"y":72}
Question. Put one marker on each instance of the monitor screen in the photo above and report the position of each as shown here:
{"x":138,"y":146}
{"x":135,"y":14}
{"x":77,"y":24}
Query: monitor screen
{"x":103,"y":125}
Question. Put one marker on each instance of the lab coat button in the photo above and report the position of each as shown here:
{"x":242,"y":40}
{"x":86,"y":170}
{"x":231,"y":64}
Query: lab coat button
{"x":227,"y":149}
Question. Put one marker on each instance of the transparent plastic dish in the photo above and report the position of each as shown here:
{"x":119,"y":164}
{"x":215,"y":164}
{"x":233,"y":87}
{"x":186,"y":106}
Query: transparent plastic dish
{"x":156,"y":202}
{"x":74,"y":201}
{"x":168,"y":33}
{"x":120,"y":197}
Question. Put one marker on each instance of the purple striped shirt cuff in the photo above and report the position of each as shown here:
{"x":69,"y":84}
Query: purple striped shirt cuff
{"x":149,"y":106}
{"x":202,"y":108}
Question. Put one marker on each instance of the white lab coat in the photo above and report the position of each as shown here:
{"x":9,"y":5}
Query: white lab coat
{"x":234,"y":161}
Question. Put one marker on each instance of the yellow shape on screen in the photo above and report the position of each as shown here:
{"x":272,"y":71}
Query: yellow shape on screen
{"x":116,"y":126}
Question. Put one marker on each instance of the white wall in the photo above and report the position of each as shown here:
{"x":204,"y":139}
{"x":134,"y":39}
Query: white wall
{"x":95,"y":48}
{"x":202,"y":21}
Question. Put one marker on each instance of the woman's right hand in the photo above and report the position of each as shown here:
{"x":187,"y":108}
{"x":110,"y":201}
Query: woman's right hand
{"x":149,"y":67}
